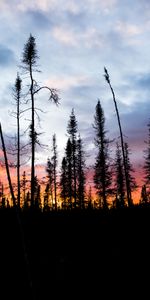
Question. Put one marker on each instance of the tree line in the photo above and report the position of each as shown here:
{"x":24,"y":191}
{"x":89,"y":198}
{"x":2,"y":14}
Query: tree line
{"x":113,"y":180}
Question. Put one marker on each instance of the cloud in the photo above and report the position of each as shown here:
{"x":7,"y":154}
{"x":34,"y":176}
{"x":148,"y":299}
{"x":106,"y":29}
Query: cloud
{"x":37,"y":19}
{"x":89,"y":38}
{"x":48,"y":5}
{"x":7,"y":56}
{"x":65,"y":36}
{"x":66,"y":83}
{"x":128,"y":30}
{"x":67,"y":5}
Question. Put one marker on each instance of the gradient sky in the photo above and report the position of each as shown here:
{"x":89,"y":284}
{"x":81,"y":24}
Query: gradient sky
{"x":75,"y":40}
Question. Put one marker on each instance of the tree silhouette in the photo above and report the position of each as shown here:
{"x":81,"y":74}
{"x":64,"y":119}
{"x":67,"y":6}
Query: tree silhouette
{"x":147,"y":159}
{"x":17,"y":96}
{"x":90,"y":197}
{"x":29,"y":61}
{"x":72,"y":131}
{"x":50,"y":176}
{"x":81,"y":180}
{"x":63,"y":183}
{"x":37,"y":193}
{"x":7,"y":167}
{"x":121,"y":136}
{"x":46,"y":198}
{"x":144,"y":196}
{"x":119,"y":178}
{"x":102,"y":175}
{"x":129,"y":170}
{"x":54,"y":163}
{"x":69,"y":171}
{"x":23,"y":184}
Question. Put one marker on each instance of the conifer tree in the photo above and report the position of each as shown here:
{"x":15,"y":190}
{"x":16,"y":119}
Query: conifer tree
{"x":54,"y":163}
{"x":24,"y":182}
{"x":69,"y":172}
{"x":90,"y":197}
{"x":63,"y":182}
{"x":119,"y":179}
{"x":17,"y":96}
{"x":147,"y":160}
{"x":50,"y":176}
{"x":144,"y":195}
{"x":129,"y":169}
{"x":72,"y":131}
{"x":102,"y":173}
{"x":46,"y":198}
{"x":81,"y":180}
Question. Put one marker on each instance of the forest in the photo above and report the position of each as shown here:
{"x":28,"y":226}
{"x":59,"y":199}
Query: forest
{"x":112,"y":184}
{"x":62,"y":238}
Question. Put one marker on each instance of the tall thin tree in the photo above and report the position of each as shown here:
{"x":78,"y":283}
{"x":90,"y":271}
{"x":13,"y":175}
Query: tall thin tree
{"x":17,"y":96}
{"x":106,"y":75}
{"x":29,"y":61}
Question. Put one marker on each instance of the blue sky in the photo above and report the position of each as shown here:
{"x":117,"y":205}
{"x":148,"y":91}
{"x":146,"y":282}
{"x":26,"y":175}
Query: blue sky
{"x":75,"y":40}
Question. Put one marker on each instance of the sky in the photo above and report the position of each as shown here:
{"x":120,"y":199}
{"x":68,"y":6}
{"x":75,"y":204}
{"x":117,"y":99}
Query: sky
{"x":75,"y":40}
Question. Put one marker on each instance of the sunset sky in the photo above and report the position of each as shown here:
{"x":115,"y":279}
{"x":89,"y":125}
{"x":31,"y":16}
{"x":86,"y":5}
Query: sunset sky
{"x":75,"y":40}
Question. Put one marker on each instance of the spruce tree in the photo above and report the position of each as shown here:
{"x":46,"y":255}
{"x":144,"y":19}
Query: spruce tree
{"x":102,"y":172}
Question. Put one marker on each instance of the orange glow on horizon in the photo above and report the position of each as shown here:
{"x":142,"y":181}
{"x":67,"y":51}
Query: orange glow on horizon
{"x":41,"y":175}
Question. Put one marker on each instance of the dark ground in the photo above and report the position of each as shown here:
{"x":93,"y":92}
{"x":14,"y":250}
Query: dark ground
{"x":75,"y":254}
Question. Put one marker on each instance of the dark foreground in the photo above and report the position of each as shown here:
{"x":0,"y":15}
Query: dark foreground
{"x":75,"y":255}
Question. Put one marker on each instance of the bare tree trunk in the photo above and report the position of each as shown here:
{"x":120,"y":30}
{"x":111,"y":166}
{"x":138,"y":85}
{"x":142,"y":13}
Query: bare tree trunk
{"x":7,"y":167}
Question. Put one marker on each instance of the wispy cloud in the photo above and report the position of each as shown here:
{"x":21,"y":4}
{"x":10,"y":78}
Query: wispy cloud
{"x":66,"y":83}
{"x":89,"y":38}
